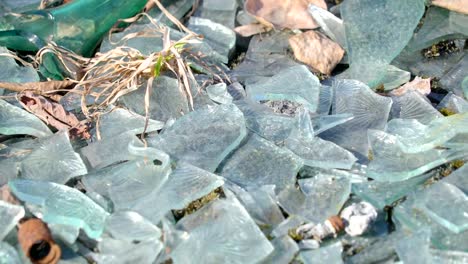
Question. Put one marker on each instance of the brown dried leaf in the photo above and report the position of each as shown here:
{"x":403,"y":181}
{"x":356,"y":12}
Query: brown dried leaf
{"x":419,"y":84}
{"x":251,"y":29}
{"x":316,"y":50}
{"x":37,"y":87}
{"x":460,"y":6}
{"x":53,"y":114}
{"x":291,"y":14}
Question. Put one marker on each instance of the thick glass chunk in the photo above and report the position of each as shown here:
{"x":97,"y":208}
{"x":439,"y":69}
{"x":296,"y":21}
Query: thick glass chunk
{"x":11,"y":214}
{"x":203,"y":137}
{"x":413,"y":105}
{"x":376,"y":32}
{"x":122,"y":252}
{"x":224,"y":231}
{"x":327,"y":254}
{"x":285,"y":250}
{"x":296,"y":84}
{"x":53,"y":160}
{"x":62,"y":205}
{"x":16,"y":121}
{"x":453,"y":103}
{"x":219,"y":93}
{"x":314,"y":151}
{"x":415,"y":248}
{"x":12,"y":72}
{"x":8,"y":254}
{"x":131,"y":226}
{"x":260,"y":162}
{"x":322,"y":198}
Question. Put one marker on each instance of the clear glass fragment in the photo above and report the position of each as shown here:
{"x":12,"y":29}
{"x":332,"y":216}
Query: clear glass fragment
{"x":219,"y":93}
{"x":413,"y":105}
{"x":330,"y":24}
{"x":191,"y":138}
{"x":131,"y":226}
{"x":327,"y":254}
{"x":219,"y":37}
{"x":454,"y":103}
{"x":285,"y":250}
{"x":415,"y":248}
{"x":122,"y":252}
{"x":8,"y":254}
{"x":11,"y":214}
{"x":62,"y":205}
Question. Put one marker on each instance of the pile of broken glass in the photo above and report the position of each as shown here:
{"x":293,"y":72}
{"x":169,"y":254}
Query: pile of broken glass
{"x":274,"y":147}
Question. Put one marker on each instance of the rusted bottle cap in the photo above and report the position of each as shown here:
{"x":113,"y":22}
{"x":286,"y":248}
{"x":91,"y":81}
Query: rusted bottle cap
{"x":37,"y":243}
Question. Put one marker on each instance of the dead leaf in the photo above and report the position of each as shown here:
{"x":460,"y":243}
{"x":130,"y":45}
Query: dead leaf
{"x":291,"y":14}
{"x":37,"y":87}
{"x":53,"y":114}
{"x":251,"y":29}
{"x":316,"y":50}
{"x":419,"y":84}
{"x":460,"y":6}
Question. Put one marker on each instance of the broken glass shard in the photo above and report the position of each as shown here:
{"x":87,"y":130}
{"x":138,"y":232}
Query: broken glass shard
{"x":62,"y":205}
{"x":119,"y":121}
{"x":459,"y":179}
{"x":260,"y":162}
{"x":224,"y":231}
{"x":11,"y":214}
{"x":330,"y":24}
{"x":16,"y":121}
{"x":453,"y":103}
{"x":131,"y":226}
{"x":322,"y":198}
{"x":369,"y":110}
{"x":314,"y":151}
{"x":111,"y":150}
{"x":448,"y":256}
{"x":453,"y":79}
{"x":327,"y":254}
{"x":121,"y":251}
{"x":53,"y":160}
{"x":219,"y":93}
{"x":284,"y":252}
{"x":191,"y":138}
{"x":391,"y":163}
{"x":292,"y":222}
{"x":12,"y":72}
{"x":166,"y":100}
{"x":413,"y":105}
{"x":184,"y":185}
{"x":219,"y":37}
{"x":296,"y":84}
{"x":376,"y":32}
{"x":447,"y":205}
{"x":325,"y":100}
{"x":8,"y":254}
{"x":415,"y":248}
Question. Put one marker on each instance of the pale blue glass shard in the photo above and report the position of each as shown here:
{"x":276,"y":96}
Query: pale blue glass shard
{"x":122,"y":252}
{"x":219,"y":37}
{"x":127,"y":182}
{"x":111,"y":150}
{"x":260,"y":162}
{"x":11,"y":214}
{"x":296,"y":84}
{"x":184,"y":185}
{"x":453,"y":103}
{"x":261,"y":120}
{"x":376,"y":32}
{"x":352,"y":175}
{"x":324,"y":122}
{"x":237,"y":91}
{"x":459,"y":179}
{"x":414,"y":137}
{"x":8,"y":254}
{"x":413,"y":105}
{"x":330,"y":24}
{"x":220,"y":12}
{"x":314,"y":151}
{"x":323,"y":198}
{"x":437,"y":26}
{"x":415,"y":248}
{"x":16,"y":121}
{"x":218,"y":93}
{"x":12,"y":155}
{"x":12,"y":72}
{"x":447,"y":205}
{"x":292,"y":222}
{"x":327,"y":254}
{"x":224,"y":231}
{"x":453,"y":79}
{"x":53,"y":160}
{"x":176,"y":8}
{"x":167,"y":100}
{"x":325,"y":100}
{"x":448,"y":256}
{"x":131,"y":226}
{"x":261,"y":203}
{"x":65,"y":233}
{"x":391,"y":164}
{"x":380,"y":250}
{"x":409,"y":215}
{"x":119,"y":121}
{"x":191,"y":139}
{"x":464,"y":86}
{"x":284,"y":252}
{"x":381,"y":194}
{"x":394,"y":77}
{"x":62,"y":205}
{"x":370,"y":111}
